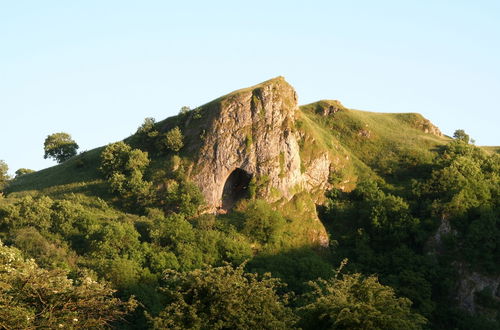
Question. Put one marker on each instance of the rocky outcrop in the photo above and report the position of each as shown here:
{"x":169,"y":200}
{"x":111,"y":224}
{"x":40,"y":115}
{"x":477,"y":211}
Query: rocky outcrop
{"x":328,"y":107}
{"x":435,"y":242}
{"x":252,"y":130}
{"x":427,"y":127}
{"x":470,"y":284}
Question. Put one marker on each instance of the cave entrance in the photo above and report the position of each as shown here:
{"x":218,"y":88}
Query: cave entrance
{"x":235,"y":188}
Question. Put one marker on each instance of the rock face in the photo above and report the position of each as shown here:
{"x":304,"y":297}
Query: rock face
{"x":471,"y":283}
{"x":249,"y":137}
{"x":427,"y":127}
{"x":329,"y":107}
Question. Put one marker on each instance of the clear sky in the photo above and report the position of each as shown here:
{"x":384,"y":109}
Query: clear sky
{"x":96,"y":69}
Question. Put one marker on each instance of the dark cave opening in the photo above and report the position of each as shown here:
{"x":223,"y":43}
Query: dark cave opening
{"x":235,"y":188}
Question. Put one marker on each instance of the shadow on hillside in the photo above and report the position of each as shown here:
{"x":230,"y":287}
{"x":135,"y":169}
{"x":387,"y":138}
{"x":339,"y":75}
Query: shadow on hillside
{"x":295,"y":267}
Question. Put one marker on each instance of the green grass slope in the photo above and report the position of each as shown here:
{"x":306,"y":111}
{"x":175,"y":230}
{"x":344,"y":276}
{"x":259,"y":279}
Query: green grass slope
{"x":77,"y":175}
{"x":360,"y":143}
{"x":381,"y":144}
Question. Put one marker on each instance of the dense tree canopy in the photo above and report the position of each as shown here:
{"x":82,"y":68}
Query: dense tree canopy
{"x":140,"y":228}
{"x":32,"y":297}
{"x":354,"y":302}
{"x":222,"y":298}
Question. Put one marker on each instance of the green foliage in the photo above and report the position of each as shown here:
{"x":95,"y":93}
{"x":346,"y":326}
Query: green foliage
{"x":184,"y":110}
{"x":386,"y":219}
{"x":248,"y":142}
{"x":479,"y":237}
{"x":29,"y":212}
{"x":124,"y":169}
{"x":48,"y":254}
{"x":378,"y":233}
{"x":67,"y":219}
{"x":465,"y":178}
{"x":182,"y":197}
{"x":119,"y":157}
{"x":59,"y":146}
{"x":23,"y":171}
{"x":172,"y":140}
{"x":146,"y":135}
{"x":222,"y":298}
{"x":460,"y":135}
{"x":4,"y":175}
{"x":295,"y":267}
{"x":354,"y":302}
{"x":261,"y":223}
{"x":32,"y":297}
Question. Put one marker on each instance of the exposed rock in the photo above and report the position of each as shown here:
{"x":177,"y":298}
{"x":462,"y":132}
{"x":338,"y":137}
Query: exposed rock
{"x":366,"y":133}
{"x":252,"y":131}
{"x":471,"y":283}
{"x":316,"y":174}
{"x":435,"y":244}
{"x":427,"y":127}
{"x":329,"y":107}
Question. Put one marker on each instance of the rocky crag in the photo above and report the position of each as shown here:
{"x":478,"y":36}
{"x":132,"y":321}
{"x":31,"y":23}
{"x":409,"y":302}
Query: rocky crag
{"x":250,"y":142}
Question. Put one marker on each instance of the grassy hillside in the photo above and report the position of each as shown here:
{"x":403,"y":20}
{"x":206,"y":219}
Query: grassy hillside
{"x":361,"y":143}
{"x":377,"y":144}
{"x":396,"y":179}
{"x":79,"y":174}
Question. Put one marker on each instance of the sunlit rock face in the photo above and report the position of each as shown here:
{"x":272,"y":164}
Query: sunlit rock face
{"x":252,"y":130}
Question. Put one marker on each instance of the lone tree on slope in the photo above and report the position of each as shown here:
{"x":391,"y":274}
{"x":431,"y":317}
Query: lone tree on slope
{"x":59,"y":146}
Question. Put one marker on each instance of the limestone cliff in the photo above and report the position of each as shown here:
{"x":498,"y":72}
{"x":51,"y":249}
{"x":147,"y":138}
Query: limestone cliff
{"x":248,"y":138}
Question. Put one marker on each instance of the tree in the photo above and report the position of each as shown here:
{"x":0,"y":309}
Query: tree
{"x":34,"y":298}
{"x":354,"y":302}
{"x":4,"y":176}
{"x":23,"y":171}
{"x":461,"y":135}
{"x":261,"y":222}
{"x":59,"y":146}
{"x":172,"y":140}
{"x":124,"y":169}
{"x":222,"y":298}
{"x":146,"y":135}
{"x":185,"y":109}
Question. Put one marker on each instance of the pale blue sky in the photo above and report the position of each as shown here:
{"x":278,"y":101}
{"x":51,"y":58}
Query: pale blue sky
{"x":96,"y":69}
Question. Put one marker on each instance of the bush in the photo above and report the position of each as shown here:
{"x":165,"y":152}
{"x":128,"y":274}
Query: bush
{"x":172,"y":140}
{"x":23,"y":171}
{"x":32,"y":297}
{"x":124,"y":169}
{"x":261,"y":223}
{"x":354,"y":302}
{"x":222,"y":298}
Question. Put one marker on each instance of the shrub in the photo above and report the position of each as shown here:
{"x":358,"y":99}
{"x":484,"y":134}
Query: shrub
{"x":222,"y":298}
{"x":354,"y":302}
{"x":261,"y":223}
{"x":172,"y":140}
{"x":32,"y":297}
